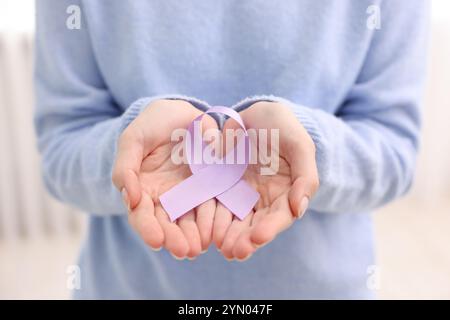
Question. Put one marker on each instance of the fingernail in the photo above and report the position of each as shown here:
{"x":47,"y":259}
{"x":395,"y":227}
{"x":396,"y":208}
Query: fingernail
{"x":245,"y":259}
{"x":156,"y":249}
{"x":177,"y":258}
{"x":125,"y":198}
{"x":303,"y":206}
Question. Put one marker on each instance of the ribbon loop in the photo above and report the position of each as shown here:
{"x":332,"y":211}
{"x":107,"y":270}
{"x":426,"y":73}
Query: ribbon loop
{"x":219,"y":180}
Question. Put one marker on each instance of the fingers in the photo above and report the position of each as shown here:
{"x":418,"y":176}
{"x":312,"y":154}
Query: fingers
{"x":143,"y":220}
{"x":205,"y":220}
{"x":174,"y":239}
{"x":222,"y":220}
{"x":236,"y":228}
{"x":269,"y":227}
{"x":189,"y":228}
{"x":156,"y":230}
{"x":243,"y":238}
{"x":244,"y":247}
{"x":278,"y":220}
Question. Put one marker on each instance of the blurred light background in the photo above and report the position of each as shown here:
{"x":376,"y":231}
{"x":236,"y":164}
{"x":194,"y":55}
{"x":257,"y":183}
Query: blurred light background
{"x":40,"y":238}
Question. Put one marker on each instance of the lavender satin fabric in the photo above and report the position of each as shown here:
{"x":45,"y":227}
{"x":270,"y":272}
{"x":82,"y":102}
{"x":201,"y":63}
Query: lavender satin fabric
{"x":216,"y":180}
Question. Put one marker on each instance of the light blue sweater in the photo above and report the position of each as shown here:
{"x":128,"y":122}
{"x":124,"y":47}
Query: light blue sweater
{"x":354,"y":88}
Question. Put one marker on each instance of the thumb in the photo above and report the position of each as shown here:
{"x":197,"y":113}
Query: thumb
{"x":299,"y":197}
{"x":305,"y":179}
{"x":129,"y":158}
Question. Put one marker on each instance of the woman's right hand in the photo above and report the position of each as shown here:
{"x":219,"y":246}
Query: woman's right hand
{"x":144,"y":170}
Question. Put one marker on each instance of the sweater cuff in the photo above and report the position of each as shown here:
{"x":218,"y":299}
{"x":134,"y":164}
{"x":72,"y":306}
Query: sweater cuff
{"x":139,"y":105}
{"x":306,"y":116}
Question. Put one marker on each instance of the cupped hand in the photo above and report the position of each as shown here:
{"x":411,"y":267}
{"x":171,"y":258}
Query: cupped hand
{"x":144,"y":170}
{"x":285,"y":190}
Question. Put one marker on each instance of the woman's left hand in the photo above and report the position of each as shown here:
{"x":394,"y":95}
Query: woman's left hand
{"x":284,"y":192}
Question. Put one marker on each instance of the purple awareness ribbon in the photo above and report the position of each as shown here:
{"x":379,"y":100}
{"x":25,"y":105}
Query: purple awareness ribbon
{"x":217,"y":180}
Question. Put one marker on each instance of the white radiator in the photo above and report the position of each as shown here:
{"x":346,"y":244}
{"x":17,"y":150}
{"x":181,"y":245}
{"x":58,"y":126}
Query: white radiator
{"x":26,"y":210}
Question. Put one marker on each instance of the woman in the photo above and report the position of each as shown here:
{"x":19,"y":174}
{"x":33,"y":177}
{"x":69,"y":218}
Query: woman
{"x":345,"y":97}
